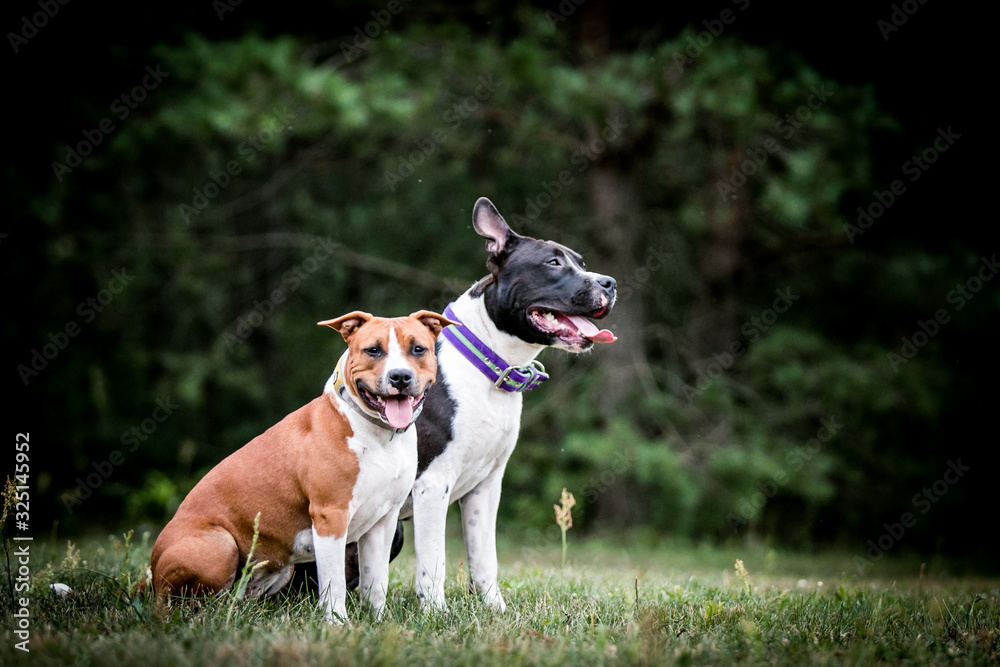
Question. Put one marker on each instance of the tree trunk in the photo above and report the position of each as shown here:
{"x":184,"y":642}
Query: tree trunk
{"x":615,"y":203}
{"x":715,"y":315}
{"x":623,"y":363}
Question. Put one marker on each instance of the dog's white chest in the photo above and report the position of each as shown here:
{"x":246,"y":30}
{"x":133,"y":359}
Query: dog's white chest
{"x":486,"y":425}
{"x":385,"y":478}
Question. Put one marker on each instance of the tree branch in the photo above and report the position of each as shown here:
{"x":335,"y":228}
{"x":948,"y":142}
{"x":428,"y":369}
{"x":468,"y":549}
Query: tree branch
{"x":271,"y":240}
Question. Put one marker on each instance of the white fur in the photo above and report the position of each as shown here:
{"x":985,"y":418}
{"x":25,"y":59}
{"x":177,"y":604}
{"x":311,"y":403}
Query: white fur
{"x":387,"y":467}
{"x":331,"y":576}
{"x":485,"y":430}
{"x":302,"y":548}
{"x":395,"y":358}
{"x":266,"y":582}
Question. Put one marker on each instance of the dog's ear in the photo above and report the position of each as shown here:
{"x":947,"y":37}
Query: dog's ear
{"x":488,"y":222}
{"x":347,"y":324}
{"x":433,"y":321}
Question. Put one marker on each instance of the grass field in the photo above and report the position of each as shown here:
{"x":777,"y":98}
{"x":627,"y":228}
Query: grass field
{"x":618,"y":601}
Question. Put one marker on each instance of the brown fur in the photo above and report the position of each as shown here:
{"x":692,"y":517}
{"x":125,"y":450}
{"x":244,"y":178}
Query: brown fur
{"x":255,"y":478}
{"x":297,"y":474}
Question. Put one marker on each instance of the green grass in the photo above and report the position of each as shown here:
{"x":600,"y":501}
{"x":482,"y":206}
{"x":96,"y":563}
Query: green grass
{"x":618,"y":601}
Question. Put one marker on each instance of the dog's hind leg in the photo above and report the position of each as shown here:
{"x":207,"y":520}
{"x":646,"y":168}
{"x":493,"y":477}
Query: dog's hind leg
{"x":373,"y":552}
{"x":479,"y":523}
{"x":201,"y":563}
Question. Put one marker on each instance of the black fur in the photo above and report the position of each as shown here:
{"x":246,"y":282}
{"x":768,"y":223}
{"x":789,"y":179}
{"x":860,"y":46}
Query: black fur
{"x":434,"y":425}
{"x":524,"y":274}
{"x":525,"y":278}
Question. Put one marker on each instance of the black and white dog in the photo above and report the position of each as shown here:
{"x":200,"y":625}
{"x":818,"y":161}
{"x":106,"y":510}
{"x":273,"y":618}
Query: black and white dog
{"x":538,"y":294}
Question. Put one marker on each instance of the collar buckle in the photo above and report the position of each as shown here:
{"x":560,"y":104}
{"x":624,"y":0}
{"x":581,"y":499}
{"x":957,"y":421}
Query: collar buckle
{"x":512,"y":379}
{"x":535,"y":375}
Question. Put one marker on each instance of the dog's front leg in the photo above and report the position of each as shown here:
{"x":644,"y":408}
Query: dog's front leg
{"x":479,"y":523}
{"x":373,"y":562}
{"x":329,"y":550}
{"x":430,"y":512}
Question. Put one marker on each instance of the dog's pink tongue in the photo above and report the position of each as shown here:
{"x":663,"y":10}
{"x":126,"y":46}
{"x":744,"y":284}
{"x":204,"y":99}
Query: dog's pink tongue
{"x":590,"y":331}
{"x":398,"y":411}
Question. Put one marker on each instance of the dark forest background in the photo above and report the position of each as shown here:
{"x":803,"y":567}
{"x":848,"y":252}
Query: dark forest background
{"x":794,"y":200}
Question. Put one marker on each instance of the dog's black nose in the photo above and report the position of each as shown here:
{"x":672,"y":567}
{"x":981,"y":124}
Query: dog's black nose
{"x":400,"y":378}
{"x":607,"y":282}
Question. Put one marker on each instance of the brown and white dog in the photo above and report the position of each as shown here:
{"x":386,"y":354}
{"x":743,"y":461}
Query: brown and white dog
{"x":334,"y":471}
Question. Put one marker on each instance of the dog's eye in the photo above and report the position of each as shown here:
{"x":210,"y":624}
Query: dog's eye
{"x":418,"y":350}
{"x":374,"y":351}
{"x":554,"y":262}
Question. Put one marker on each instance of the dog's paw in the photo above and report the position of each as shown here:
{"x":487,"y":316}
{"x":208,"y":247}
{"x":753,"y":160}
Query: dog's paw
{"x":494,"y":600}
{"x":434,"y":604}
{"x":333,"y":618}
{"x":334,"y":613}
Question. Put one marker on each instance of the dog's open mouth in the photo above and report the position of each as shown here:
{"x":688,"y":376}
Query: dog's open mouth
{"x":397,"y":410}
{"x":571,"y":329}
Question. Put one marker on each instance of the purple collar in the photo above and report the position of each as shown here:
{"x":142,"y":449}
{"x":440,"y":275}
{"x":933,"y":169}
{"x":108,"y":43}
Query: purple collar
{"x":500,"y":373}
